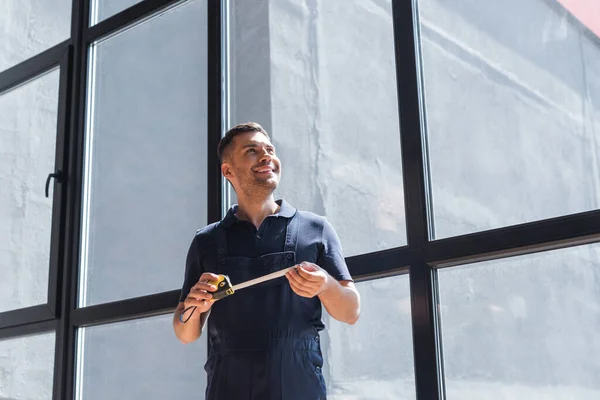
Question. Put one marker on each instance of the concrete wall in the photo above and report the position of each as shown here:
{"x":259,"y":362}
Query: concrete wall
{"x":26,"y":367}
{"x":28,"y":27}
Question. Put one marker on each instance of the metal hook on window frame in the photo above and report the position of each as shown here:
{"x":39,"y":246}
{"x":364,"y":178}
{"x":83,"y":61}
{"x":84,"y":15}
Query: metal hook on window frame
{"x":58,"y":175}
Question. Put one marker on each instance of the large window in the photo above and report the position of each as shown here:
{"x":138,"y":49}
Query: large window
{"x":373,"y":359}
{"x":511,"y":103}
{"x":145,"y":190}
{"x":524,"y":327}
{"x":102,"y":9}
{"x":28,"y":116}
{"x":320,"y":78}
{"x":140,"y":359}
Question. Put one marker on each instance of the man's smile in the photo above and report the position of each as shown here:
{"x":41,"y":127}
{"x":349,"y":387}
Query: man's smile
{"x":267,"y":169}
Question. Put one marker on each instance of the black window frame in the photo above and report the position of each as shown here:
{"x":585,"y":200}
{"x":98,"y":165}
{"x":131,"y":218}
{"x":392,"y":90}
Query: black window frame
{"x":28,"y":71}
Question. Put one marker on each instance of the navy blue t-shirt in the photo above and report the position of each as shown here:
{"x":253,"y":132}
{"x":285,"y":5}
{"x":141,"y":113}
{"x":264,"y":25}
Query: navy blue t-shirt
{"x":317,"y":243}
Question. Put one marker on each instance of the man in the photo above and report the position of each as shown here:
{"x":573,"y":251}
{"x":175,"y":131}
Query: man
{"x":263,"y":341}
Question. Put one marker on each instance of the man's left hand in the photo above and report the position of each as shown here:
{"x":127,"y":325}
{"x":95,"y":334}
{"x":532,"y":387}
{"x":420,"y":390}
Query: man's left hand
{"x":308,"y":279}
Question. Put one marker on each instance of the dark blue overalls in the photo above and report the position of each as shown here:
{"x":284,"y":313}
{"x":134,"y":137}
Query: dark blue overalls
{"x":262,"y":341}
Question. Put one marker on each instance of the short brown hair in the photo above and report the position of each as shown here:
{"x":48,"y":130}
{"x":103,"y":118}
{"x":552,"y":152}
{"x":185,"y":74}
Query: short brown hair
{"x":235,"y":131}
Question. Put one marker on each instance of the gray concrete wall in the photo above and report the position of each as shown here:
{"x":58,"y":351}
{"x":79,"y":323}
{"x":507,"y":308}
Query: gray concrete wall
{"x":28,"y":27}
{"x":26,"y":367}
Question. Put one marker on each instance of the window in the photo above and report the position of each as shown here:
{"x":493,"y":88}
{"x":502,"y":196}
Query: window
{"x":146,"y":155}
{"x":523,"y":327}
{"x":140,"y":359}
{"x":320,"y":77}
{"x":28,"y":120}
{"x":372,"y":359}
{"x":28,"y":27}
{"x":511,"y":102}
{"x":27,"y":367}
{"x":102,"y":9}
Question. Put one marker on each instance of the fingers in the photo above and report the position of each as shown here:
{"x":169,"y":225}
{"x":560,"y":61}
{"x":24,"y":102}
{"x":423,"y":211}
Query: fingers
{"x":294,"y":276}
{"x":302,"y":286}
{"x":309,"y":272}
{"x":308,"y":266}
{"x":299,"y":290}
{"x":199,"y":294}
{"x":202,"y":283}
{"x":204,"y":286}
{"x":207,"y":277}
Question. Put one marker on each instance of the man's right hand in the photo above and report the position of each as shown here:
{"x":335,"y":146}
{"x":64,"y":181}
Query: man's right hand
{"x":199,"y":295}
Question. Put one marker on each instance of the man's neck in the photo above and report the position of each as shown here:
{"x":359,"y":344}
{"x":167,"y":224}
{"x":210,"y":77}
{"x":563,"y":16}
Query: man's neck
{"x":255,"y":211}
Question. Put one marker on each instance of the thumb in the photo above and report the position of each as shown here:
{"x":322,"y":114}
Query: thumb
{"x":308,"y":266}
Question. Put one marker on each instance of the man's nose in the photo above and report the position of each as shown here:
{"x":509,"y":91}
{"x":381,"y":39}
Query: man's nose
{"x":265,"y":155}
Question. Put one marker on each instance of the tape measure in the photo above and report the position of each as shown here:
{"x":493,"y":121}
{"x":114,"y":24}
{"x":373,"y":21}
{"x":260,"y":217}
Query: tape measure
{"x":225,"y":288}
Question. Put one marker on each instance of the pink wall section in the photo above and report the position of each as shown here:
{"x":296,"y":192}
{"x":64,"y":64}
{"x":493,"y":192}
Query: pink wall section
{"x":587,"y":11}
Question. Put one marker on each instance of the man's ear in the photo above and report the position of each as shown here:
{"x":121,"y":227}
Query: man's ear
{"x":226,"y":170}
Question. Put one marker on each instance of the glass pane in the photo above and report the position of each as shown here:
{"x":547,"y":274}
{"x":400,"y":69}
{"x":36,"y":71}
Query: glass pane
{"x":102,"y":9}
{"x":326,"y":93}
{"x":27,"y":367}
{"x":28,"y":117}
{"x":373,"y":359}
{"x":523,"y":328}
{"x":140,"y":359}
{"x":512,"y":102}
{"x":28,"y":27}
{"x":146,"y":156}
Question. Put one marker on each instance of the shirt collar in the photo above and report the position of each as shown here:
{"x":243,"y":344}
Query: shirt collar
{"x":285,"y":211}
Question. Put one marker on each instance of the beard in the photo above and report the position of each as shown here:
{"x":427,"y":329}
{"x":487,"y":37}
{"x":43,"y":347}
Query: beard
{"x":252,"y":186}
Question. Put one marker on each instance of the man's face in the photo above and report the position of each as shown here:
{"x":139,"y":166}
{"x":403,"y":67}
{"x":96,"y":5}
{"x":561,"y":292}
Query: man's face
{"x":252,"y":165}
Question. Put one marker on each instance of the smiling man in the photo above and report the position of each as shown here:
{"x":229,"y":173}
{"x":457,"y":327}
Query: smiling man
{"x":263,"y":341}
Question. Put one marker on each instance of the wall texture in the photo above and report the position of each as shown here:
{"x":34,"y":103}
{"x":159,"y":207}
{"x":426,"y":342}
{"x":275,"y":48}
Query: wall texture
{"x":28,"y":27}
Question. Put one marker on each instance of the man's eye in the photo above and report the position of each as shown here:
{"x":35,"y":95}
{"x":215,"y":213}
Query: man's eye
{"x":251,"y":151}
{"x":271,"y":151}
